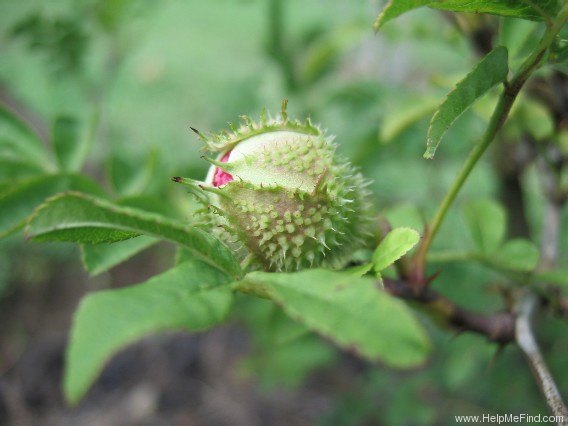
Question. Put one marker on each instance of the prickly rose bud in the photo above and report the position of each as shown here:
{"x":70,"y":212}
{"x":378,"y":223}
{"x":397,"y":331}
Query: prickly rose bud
{"x":277,"y":193}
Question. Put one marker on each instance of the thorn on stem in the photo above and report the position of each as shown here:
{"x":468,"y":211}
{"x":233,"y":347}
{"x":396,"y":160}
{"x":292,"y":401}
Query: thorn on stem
{"x":433,"y":277}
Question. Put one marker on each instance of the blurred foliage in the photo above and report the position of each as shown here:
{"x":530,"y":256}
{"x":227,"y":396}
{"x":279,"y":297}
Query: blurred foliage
{"x":98,"y":95}
{"x":62,"y":39}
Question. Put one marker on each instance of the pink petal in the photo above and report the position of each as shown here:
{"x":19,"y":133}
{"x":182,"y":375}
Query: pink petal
{"x":221,"y":177}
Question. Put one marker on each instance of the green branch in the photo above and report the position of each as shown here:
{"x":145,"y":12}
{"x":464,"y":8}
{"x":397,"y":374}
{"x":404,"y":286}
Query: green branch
{"x":497,"y":120}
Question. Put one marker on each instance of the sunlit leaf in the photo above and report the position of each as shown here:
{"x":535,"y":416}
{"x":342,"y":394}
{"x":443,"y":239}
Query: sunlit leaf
{"x":358,"y":271}
{"x":395,"y":245}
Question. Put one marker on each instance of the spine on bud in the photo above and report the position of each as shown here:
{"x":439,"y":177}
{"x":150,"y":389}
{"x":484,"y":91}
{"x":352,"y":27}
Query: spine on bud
{"x":278,"y":194}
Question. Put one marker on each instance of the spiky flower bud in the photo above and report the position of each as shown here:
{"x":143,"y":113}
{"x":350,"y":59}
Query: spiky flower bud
{"x":278,"y":194}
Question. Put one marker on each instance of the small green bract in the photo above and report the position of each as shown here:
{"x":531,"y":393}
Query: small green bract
{"x":279,"y":195}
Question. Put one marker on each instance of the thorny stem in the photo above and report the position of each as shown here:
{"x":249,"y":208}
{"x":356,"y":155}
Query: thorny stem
{"x":501,"y":111}
{"x":498,"y":327}
{"x":526,"y":341}
{"x":498,"y":117}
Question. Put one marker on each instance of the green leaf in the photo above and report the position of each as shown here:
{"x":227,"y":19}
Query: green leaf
{"x":536,"y":10}
{"x":24,"y":142}
{"x":517,"y":255}
{"x":487,"y":223}
{"x":404,"y":215}
{"x":80,"y":218}
{"x":403,"y":116}
{"x":557,"y":276}
{"x":325,"y":51}
{"x":18,"y":202}
{"x":518,"y":36}
{"x":98,"y":258}
{"x":269,"y":325}
{"x":559,"y":52}
{"x":396,"y":8}
{"x":149,"y":204}
{"x":358,"y":271}
{"x":15,"y":121}
{"x":192,"y":297}
{"x":536,"y":119}
{"x":491,"y":70}
{"x":129,"y":176}
{"x":351,"y":311}
{"x":14,"y":170}
{"x":561,"y":141}
{"x":395,"y":245}
{"x":533,"y":10}
{"x":287,"y":365}
{"x":68,"y":144}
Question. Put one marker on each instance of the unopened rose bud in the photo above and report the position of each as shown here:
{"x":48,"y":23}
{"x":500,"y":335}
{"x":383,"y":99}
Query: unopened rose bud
{"x":277,"y":193}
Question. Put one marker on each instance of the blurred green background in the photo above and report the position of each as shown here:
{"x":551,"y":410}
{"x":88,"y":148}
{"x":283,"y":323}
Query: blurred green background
{"x":136,"y":75}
